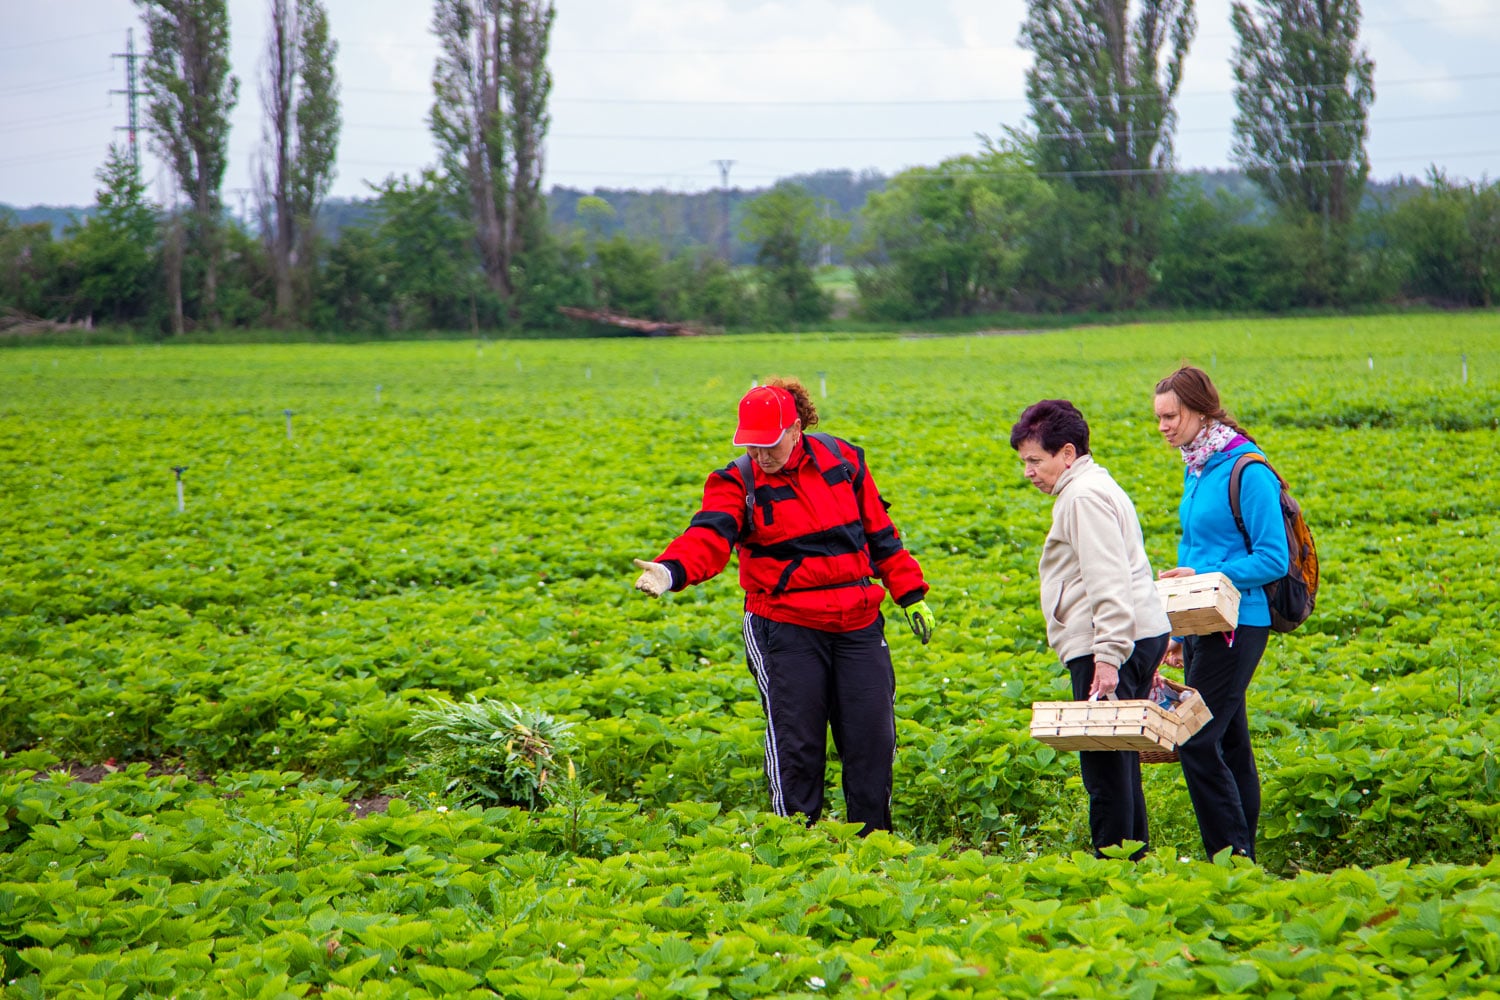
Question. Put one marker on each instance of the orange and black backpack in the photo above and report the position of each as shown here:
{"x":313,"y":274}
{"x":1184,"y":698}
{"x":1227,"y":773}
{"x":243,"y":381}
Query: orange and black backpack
{"x":1292,"y":597}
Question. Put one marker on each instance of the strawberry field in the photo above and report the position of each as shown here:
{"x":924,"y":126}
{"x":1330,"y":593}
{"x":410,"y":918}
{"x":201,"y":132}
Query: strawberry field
{"x":370,"y":532}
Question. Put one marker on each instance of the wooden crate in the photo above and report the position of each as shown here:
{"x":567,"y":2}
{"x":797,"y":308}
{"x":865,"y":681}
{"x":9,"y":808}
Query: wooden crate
{"x":1104,"y":725}
{"x":1200,"y":604}
{"x":1192,"y":711}
{"x":1132,"y":724}
{"x":1192,"y":715}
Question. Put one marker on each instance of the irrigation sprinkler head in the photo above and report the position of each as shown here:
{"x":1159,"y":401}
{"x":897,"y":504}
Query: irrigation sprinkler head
{"x":181,"y":500}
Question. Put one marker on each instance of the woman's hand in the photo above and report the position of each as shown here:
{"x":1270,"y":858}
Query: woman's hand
{"x":1173,"y":656}
{"x":655,"y":579}
{"x":1106,"y":679}
{"x":1176,"y":571}
{"x":921,"y":619}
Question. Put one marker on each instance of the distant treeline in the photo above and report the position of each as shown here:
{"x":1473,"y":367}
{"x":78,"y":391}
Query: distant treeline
{"x":972,"y":235}
{"x":682,"y":221}
{"x":674,"y":221}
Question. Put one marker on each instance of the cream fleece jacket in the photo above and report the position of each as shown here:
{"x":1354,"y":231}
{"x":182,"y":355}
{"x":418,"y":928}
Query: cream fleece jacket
{"x":1098,"y":591}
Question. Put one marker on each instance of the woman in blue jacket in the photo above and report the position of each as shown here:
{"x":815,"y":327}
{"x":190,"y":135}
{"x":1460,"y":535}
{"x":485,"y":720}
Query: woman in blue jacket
{"x":1218,"y":762}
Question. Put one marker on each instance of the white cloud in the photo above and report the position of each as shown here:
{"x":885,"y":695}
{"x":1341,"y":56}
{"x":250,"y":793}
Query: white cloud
{"x":1424,"y":77}
{"x":1461,"y":18}
{"x":402,"y":65}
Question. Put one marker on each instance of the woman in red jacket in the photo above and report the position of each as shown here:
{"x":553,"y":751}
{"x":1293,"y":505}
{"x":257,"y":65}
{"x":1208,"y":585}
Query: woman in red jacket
{"x":813,"y":537}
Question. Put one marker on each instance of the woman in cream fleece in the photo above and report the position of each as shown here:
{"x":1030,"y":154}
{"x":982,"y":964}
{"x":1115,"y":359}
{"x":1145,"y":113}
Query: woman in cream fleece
{"x":1104,"y":618}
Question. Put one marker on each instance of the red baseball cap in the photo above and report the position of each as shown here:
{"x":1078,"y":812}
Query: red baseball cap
{"x":765,"y":414}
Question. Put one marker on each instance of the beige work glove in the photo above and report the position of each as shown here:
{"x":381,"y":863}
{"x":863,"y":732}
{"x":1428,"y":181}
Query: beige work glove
{"x":655,"y":579}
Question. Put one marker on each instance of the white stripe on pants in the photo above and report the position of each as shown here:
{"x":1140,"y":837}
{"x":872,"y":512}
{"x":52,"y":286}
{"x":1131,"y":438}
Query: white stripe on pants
{"x":758,"y":669}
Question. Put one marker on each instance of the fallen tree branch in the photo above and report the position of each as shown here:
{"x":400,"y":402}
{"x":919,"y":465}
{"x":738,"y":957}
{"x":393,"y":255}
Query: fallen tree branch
{"x":646,"y":327}
{"x":16,"y":321}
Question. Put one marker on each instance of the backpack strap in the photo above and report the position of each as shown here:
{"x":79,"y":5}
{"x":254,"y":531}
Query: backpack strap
{"x":832,"y":444}
{"x":746,"y":468}
{"x":1236,"y":474}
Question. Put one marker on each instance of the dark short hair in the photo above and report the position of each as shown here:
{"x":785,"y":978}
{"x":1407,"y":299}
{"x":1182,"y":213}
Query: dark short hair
{"x":1051,"y":423}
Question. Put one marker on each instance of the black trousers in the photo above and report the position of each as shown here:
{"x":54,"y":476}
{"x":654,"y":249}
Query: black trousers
{"x":1217,"y":761}
{"x":1112,"y":778}
{"x":810,"y":682}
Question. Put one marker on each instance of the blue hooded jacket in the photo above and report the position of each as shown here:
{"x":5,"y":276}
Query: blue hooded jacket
{"x":1211,"y":543}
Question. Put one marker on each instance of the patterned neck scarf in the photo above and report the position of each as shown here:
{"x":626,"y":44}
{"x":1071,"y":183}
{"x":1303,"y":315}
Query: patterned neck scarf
{"x":1210,"y":440}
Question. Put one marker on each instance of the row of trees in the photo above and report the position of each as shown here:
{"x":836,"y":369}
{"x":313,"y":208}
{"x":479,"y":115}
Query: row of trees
{"x":191,"y":92}
{"x":1079,"y":210}
{"x":489,"y":119}
{"x":984,"y":233}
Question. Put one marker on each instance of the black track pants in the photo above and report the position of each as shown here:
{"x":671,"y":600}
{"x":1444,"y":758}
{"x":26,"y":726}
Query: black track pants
{"x":811,"y":681}
{"x":1112,"y":778}
{"x":1217,"y":761}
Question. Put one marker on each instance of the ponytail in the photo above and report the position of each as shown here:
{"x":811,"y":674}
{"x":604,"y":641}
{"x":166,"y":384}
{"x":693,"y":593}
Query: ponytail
{"x":806,"y":411}
{"x":1195,"y":390}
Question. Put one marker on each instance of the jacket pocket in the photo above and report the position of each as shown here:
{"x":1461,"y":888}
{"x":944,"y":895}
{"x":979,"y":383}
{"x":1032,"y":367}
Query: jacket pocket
{"x":1054,"y":600}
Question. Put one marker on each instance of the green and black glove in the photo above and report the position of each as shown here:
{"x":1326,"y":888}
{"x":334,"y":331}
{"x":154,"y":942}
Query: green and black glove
{"x":919,"y":616}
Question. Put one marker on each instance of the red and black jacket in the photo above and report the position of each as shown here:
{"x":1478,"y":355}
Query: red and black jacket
{"x":821,"y":533}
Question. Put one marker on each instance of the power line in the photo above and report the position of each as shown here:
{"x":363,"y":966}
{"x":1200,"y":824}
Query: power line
{"x":1315,"y":123}
{"x":1385,"y":86}
{"x":1154,"y":171}
{"x":59,"y":84}
{"x":1375,"y":121}
{"x":356,"y":43}
{"x":53,"y":41}
{"x":1380,"y":84}
{"x":63,"y":154}
{"x":27,"y":124}
{"x":811,"y":50}
{"x":701,"y":181}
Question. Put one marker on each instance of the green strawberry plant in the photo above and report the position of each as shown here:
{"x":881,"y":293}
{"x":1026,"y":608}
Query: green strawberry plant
{"x":240,"y":670}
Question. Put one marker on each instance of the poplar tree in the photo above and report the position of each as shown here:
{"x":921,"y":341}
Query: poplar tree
{"x":529,"y":87}
{"x":190,"y":94}
{"x":489,"y":118}
{"x":1101,"y":90}
{"x":300,"y":96}
{"x":1303,"y":89}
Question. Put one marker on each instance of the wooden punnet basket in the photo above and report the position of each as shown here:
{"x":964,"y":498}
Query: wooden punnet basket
{"x":1200,"y":604}
{"x":1192,"y":714}
{"x":1133,"y":724}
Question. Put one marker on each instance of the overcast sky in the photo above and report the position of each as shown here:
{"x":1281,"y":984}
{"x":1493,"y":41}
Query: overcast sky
{"x":650,"y":93}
